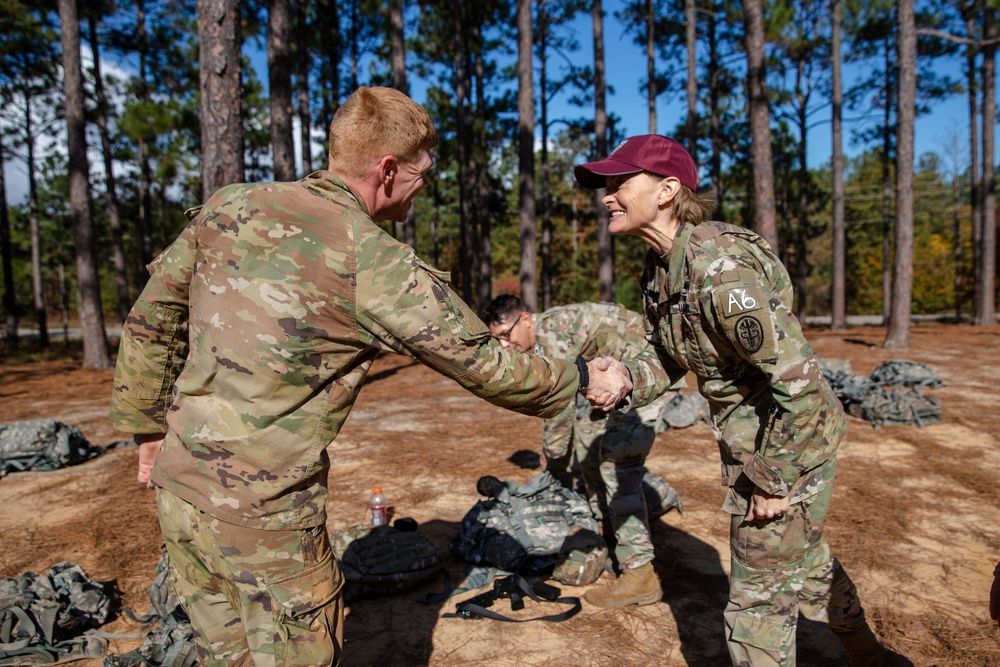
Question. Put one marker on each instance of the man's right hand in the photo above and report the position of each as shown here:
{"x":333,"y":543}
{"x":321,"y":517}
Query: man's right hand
{"x":148,"y":449}
{"x":610,"y":383}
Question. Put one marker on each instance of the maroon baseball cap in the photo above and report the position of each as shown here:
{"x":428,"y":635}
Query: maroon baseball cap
{"x":645,"y":152}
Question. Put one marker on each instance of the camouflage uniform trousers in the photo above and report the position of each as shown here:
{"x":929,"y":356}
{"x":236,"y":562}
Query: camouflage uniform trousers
{"x":255,"y":597}
{"x":611,"y":451}
{"x":780,"y":568}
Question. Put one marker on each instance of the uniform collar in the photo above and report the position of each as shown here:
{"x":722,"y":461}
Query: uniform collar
{"x":674,"y":259}
{"x":331,"y":185}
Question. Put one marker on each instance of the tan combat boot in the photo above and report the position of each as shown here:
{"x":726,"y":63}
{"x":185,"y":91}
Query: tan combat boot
{"x":636,"y":586}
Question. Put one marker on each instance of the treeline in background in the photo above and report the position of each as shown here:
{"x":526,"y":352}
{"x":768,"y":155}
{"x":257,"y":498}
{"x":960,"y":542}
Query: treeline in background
{"x":122,"y":115}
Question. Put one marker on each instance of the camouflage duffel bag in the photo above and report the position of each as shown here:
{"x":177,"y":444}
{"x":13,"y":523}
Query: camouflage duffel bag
{"x":383,"y":560}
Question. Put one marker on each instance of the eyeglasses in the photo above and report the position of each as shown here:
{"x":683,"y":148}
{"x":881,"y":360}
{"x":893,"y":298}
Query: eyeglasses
{"x":505,"y":335}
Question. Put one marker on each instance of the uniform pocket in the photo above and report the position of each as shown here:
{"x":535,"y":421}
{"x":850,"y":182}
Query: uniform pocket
{"x":308,"y":617}
{"x":300,"y":595}
{"x":764,"y":633}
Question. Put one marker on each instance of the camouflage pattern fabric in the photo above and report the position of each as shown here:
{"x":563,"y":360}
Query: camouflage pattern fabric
{"x":660,"y":496}
{"x":171,"y":642}
{"x":683,"y":410}
{"x":865,"y":397}
{"x":43,"y":617}
{"x":381,"y":560}
{"x":902,"y":406}
{"x":779,"y":569}
{"x":906,"y":373}
{"x":582,"y":558}
{"x":720,"y":300}
{"x":527,"y":521}
{"x":611,"y":451}
{"x":241,"y":588}
{"x":42,"y":444}
{"x":263,"y":318}
{"x":718,"y":304}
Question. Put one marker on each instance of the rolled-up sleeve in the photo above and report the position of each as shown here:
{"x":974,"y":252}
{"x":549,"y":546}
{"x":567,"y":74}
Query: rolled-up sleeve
{"x":154,"y":341}
{"x":408,"y":307}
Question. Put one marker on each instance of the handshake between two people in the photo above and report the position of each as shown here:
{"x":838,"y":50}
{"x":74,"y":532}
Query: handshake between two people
{"x":610,"y":383}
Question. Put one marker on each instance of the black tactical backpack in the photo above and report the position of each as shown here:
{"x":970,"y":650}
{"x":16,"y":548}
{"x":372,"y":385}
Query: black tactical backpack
{"x":383,"y":560}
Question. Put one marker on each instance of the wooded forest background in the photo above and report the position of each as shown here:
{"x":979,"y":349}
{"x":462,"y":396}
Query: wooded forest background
{"x":114,"y":159}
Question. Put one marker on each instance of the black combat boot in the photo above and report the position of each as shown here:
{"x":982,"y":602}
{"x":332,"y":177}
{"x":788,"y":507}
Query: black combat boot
{"x":864,"y":650}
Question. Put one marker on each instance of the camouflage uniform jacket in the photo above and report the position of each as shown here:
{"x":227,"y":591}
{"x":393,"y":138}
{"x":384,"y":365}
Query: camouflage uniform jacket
{"x":587,"y":330}
{"x":719,"y":304}
{"x":264,"y":316}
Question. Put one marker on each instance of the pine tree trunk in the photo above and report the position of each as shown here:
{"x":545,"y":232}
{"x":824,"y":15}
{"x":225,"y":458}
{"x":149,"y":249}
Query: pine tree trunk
{"x":462,"y":149}
{"x":110,"y":194}
{"x":765,"y":213}
{"x":986,"y":275}
{"x":398,"y":39}
{"x":898,"y":334}
{"x":605,"y":245}
{"x":526,"y":156}
{"x":714,"y":121}
{"x":484,"y":215}
{"x":38,"y":294}
{"x":95,"y":348}
{"x":975,"y":172}
{"x":802,"y":233}
{"x":838,"y":296}
{"x":221,"y":94}
{"x":304,"y":45}
{"x":334,"y":54}
{"x":691,"y":45}
{"x":145,"y":221}
{"x":651,"y":64}
{"x":543,"y":195}
{"x":279,"y":74}
{"x":7,"y":256}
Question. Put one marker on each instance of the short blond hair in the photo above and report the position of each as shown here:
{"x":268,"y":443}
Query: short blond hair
{"x":374,"y":122}
{"x":692,"y":207}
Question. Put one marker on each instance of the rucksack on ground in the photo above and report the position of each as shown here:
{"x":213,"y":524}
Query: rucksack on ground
{"x":44,"y":444}
{"x":44,"y":618}
{"x":171,"y":642}
{"x":890,"y":395}
{"x":524,"y":527}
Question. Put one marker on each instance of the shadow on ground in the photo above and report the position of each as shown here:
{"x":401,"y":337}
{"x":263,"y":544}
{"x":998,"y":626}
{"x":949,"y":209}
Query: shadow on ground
{"x":697,"y":590}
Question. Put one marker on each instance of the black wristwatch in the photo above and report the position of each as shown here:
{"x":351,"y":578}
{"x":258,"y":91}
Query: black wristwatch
{"x":581,"y":365}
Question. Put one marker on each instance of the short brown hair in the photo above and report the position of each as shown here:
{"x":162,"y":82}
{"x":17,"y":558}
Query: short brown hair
{"x":375,"y":122}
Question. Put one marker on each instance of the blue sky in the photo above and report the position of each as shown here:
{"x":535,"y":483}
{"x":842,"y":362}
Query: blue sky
{"x":946,"y":124}
{"x":626,"y":71}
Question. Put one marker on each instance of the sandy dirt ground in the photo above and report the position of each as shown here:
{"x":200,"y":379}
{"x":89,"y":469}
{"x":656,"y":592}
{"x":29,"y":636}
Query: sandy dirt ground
{"x":915,"y":518}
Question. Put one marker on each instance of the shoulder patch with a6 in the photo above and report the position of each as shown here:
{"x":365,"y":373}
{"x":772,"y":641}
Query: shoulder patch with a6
{"x":746,"y":320}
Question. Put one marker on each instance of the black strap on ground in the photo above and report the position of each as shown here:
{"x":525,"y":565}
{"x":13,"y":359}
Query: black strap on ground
{"x":515,"y":587}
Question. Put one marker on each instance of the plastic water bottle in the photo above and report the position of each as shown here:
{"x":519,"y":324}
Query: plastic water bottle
{"x":378,"y":507}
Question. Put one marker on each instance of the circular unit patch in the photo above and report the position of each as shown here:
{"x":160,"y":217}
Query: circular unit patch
{"x":749,"y":333}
